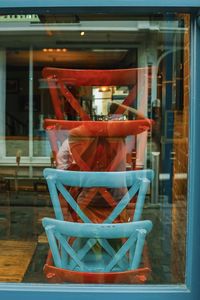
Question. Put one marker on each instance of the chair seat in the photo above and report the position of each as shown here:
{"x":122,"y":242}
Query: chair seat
{"x":93,"y":252}
{"x":59,"y":275}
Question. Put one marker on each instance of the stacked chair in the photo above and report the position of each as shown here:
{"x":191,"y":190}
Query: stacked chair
{"x":97,"y":235}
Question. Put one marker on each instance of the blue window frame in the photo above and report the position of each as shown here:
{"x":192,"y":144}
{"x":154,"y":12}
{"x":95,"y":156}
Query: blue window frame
{"x":191,"y":290}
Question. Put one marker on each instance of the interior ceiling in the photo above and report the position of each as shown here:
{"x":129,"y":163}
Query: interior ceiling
{"x":77,"y":18}
{"x":108,"y":48}
{"x":73,"y":59}
{"x":70,"y":49}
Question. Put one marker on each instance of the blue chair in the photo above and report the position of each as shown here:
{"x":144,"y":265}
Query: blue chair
{"x":135,"y":183}
{"x":88,"y":263}
{"x":81,"y":249}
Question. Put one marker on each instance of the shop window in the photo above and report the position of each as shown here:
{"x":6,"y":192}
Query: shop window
{"x":112,"y":100}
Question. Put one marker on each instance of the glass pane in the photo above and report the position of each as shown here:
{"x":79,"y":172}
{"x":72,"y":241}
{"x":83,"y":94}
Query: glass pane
{"x":17,"y":102}
{"x":94,"y":148}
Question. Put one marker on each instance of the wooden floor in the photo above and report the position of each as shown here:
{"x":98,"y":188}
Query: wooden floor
{"x":14,"y":259}
{"x":24,"y":246}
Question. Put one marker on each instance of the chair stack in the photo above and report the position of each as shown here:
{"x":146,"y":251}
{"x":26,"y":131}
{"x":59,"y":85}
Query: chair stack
{"x":97,"y":235}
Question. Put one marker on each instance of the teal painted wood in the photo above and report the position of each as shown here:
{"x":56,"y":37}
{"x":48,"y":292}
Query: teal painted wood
{"x":60,"y":231}
{"x":175,"y":292}
{"x":95,"y":3}
{"x":97,"y":179}
{"x":94,"y":6}
{"x":136,"y":181}
{"x":193,"y":237}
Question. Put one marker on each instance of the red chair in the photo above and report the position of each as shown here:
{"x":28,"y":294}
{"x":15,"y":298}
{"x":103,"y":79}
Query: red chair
{"x":60,"y":81}
{"x":63,"y":82}
{"x":85,"y":138}
{"x":96,"y":146}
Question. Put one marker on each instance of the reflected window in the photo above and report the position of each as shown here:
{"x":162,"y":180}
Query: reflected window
{"x":104,"y":110}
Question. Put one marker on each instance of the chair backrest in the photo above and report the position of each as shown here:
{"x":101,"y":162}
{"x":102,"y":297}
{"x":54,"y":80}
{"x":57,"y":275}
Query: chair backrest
{"x":97,"y":253}
{"x":59,"y":80}
{"x":85,"y":137}
{"x":135,"y":183}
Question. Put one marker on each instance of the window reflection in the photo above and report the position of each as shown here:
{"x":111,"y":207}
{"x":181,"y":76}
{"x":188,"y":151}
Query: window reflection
{"x":130,"y":123}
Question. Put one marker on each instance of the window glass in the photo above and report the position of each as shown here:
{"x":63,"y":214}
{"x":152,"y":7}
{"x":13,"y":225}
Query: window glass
{"x":94,"y":148}
{"x":17,"y":101}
